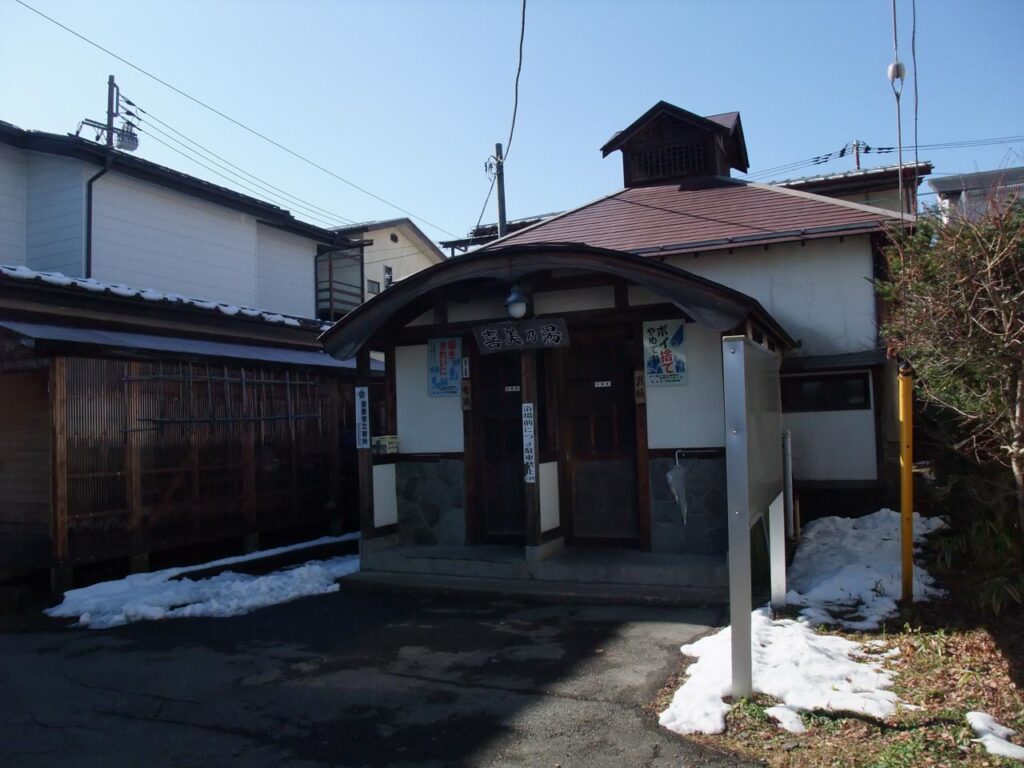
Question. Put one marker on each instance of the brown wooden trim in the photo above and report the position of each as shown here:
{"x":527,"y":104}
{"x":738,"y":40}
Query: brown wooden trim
{"x":472,"y":443}
{"x":404,"y":458}
{"x":643,"y":480}
{"x":551,"y":535}
{"x":364,"y":457}
{"x":621,"y":296}
{"x":564,"y":446}
{"x":385,"y":530}
{"x":133,"y":459}
{"x":607,"y":543}
{"x":531,"y":491}
{"x":390,"y":393}
{"x":59,"y":452}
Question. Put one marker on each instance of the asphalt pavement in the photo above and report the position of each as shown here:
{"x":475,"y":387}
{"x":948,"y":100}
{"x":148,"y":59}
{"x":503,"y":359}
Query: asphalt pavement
{"x":354,"y":678}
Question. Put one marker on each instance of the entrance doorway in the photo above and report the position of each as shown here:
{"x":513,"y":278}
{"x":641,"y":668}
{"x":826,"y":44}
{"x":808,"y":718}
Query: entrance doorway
{"x":600,"y":434}
{"x":501,"y":484}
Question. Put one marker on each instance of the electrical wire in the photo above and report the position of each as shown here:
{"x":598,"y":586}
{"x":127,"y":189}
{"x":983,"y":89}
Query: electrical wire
{"x":238,"y":123}
{"x":519,"y":69}
{"x":913,"y":57}
{"x":224,"y":163}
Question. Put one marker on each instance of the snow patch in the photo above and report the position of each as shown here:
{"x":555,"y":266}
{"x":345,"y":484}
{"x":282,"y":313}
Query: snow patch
{"x":160,"y":595}
{"x":847,"y":571}
{"x":792,"y":663}
{"x":994,"y":736}
{"x":149,"y":294}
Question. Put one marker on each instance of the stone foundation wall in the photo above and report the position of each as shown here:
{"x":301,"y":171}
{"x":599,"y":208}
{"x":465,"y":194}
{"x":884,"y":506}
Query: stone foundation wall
{"x":706,"y":531}
{"x":431,"y":502}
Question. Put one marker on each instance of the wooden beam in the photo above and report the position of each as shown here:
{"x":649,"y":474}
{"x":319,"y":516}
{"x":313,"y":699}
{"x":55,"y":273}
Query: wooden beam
{"x":364,"y":456}
{"x":531,"y":490}
{"x":472,"y":436}
{"x":643,"y":480}
{"x":59,"y":450}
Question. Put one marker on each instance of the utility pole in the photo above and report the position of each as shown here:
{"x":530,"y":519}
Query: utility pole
{"x":856,"y":153}
{"x":499,"y":173}
{"x":112,"y":108}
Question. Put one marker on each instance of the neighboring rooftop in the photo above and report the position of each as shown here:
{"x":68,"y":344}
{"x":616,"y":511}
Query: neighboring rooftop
{"x":704,"y":214}
{"x":91,"y":152}
{"x":883,"y":176}
{"x":361,"y":228}
{"x":486,"y":233}
{"x":983,"y":180}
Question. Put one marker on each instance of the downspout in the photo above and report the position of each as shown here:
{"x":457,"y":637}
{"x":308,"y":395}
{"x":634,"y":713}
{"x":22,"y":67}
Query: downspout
{"x":88,"y":215}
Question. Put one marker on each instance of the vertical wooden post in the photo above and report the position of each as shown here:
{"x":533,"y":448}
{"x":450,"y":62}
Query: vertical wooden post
{"x":531,"y":489}
{"x":643,"y":466}
{"x":61,"y":572}
{"x":472,"y":443}
{"x":907,"y":478}
{"x":132,"y":465}
{"x":364,"y":456}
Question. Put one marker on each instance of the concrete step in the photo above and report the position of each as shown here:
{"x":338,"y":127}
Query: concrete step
{"x":538,"y":591}
{"x":426,"y":562}
{"x":690,"y":572}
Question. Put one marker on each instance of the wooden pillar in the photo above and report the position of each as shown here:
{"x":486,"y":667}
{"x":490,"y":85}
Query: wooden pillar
{"x":472,"y":443}
{"x":643,"y":465}
{"x":60,"y":574}
{"x":364,"y":456}
{"x":531,"y":489}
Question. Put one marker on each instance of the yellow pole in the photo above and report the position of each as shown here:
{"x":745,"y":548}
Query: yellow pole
{"x":906,"y":379}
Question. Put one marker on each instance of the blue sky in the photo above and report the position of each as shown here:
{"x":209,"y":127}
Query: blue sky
{"x":408,"y":98}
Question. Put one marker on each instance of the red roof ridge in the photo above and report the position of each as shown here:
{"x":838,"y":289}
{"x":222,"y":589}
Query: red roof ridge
{"x":883,"y":212}
{"x":562,"y":215}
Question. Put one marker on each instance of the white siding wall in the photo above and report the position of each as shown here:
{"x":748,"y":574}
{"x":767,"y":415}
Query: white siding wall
{"x":285,"y":267}
{"x":833,"y":445}
{"x":821,"y":292}
{"x":55,"y":214}
{"x":13,"y":192}
{"x":691,"y":415}
{"x":425,"y":424}
{"x":149,"y":236}
{"x":405,"y":257}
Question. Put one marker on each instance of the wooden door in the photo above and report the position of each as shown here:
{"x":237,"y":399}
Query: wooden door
{"x":501,"y":462}
{"x":601,"y":445}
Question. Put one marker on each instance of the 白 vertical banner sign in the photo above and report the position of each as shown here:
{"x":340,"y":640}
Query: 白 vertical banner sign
{"x":665,"y":352}
{"x":444,"y":367}
{"x":362,"y":417}
{"x":529,"y":454}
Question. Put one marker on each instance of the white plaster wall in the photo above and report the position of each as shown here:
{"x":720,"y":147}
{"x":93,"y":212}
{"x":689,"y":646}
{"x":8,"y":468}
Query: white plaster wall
{"x":55,"y":214}
{"x":425,"y":424}
{"x":405,"y":257}
{"x":145,"y":235}
{"x":547,"y":476}
{"x":285,"y":268}
{"x":691,"y":415}
{"x":820,"y":292}
{"x":385,"y":495}
{"x":13,"y":195}
{"x":477,"y":309}
{"x":574,"y":300}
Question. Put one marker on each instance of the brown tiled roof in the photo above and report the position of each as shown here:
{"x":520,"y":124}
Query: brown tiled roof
{"x":705,"y":215}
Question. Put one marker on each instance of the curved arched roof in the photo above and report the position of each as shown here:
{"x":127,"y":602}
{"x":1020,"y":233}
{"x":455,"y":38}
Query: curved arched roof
{"x":708,"y":303}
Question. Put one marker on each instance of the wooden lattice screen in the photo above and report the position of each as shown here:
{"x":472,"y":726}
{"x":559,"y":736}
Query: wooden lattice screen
{"x":153,"y":455}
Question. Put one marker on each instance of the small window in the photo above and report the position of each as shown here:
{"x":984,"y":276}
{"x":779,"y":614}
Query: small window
{"x":393,"y":237}
{"x":373,"y":286}
{"x":389,"y":276}
{"x":826,"y":392}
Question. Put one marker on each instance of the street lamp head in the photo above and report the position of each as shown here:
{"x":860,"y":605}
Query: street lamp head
{"x":516,"y":302}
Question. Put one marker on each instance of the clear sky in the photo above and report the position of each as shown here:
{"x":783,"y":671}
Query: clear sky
{"x":407,"y":98}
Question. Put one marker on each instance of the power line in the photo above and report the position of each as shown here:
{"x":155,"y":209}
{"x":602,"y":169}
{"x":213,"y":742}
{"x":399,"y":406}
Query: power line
{"x":913,"y":58}
{"x":519,"y":69}
{"x":213,"y":157}
{"x":238,"y":123}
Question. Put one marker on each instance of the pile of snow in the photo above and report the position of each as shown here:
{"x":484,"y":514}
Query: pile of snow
{"x":160,"y":595}
{"x":149,"y":294}
{"x":792,"y":663}
{"x":994,"y":736}
{"x":847,"y":572}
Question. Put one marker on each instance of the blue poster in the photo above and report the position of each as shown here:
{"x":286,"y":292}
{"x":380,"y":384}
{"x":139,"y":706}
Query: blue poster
{"x":665,"y":352}
{"x":444,"y":367}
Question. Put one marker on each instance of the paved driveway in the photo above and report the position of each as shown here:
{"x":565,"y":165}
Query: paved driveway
{"x":351,"y":679}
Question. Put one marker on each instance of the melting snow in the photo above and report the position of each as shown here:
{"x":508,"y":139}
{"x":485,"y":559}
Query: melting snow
{"x":159,"y":595}
{"x":149,"y":294}
{"x":847,"y":572}
{"x":994,"y":736}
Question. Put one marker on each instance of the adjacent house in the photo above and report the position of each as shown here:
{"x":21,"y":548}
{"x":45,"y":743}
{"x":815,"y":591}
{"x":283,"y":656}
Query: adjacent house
{"x":393,"y":249}
{"x":570,"y":401}
{"x":975,"y":194}
{"x":878,"y":187}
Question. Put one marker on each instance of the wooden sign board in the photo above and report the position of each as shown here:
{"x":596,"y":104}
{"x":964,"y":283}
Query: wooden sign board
{"x":519,"y":335}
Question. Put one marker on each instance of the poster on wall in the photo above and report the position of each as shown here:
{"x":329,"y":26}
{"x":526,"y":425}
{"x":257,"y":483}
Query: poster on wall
{"x":362,"y":417}
{"x":665,"y":353}
{"x":444,"y":367}
{"x":529,"y":452}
